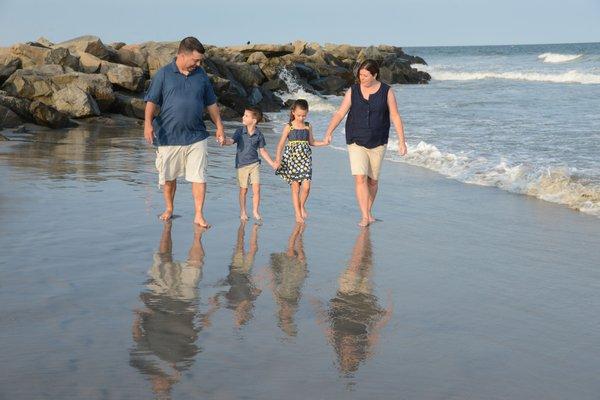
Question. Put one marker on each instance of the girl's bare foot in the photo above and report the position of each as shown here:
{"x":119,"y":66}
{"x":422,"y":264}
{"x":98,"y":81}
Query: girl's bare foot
{"x":199,"y":220}
{"x":167,"y":215}
{"x":304,"y":214}
{"x":363,"y":223}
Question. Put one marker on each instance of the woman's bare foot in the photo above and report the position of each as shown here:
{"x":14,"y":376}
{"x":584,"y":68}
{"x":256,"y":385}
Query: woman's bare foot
{"x":372,"y":219}
{"x":166,"y":216}
{"x":363,"y":223}
{"x":304,"y":214}
{"x":199,"y":220}
{"x":244,"y":216}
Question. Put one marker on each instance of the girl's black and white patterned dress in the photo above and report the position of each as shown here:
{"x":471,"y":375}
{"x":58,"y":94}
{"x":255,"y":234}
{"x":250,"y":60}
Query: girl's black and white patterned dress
{"x":296,"y":161}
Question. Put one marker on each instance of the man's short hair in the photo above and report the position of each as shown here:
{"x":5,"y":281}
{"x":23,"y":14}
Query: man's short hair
{"x":190,"y":44}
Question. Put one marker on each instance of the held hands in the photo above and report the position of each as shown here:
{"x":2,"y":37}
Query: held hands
{"x":220,"y":137}
{"x":276,"y":164}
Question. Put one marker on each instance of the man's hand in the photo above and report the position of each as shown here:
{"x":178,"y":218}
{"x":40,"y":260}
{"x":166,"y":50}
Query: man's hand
{"x":401,"y":148}
{"x":220,"y":137}
{"x":149,"y":133}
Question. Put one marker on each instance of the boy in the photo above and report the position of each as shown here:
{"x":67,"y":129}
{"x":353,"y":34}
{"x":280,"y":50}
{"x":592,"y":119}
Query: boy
{"x":250,"y":142}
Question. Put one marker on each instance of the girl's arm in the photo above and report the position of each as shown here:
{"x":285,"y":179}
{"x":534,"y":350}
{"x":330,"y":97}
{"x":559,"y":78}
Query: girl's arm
{"x":265,"y":154}
{"x":311,"y":139}
{"x":397,"y":121}
{"x":282,"y":139}
{"x":339,"y":115}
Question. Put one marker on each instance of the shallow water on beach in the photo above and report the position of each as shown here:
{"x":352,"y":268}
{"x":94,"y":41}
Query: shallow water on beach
{"x":444,"y":298}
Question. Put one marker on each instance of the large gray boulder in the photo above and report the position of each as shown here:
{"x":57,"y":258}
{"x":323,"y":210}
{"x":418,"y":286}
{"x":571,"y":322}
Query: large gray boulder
{"x":96,"y":85}
{"x":8,"y":65}
{"x":75,"y":102}
{"x":257,"y":57}
{"x":30,"y":56}
{"x":35,"y":111}
{"x":86,"y":44}
{"x":159,"y":54}
{"x":32,"y":84}
{"x":129,"y":106}
{"x":8,"y":118}
{"x":248,"y":75}
{"x":372,"y":53}
{"x":62,"y":56}
{"x":134,"y":56}
{"x":270,"y":50}
{"x":329,"y":84}
{"x":130,"y":78}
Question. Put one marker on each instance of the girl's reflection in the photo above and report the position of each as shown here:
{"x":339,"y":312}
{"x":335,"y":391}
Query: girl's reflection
{"x":288,"y":273}
{"x":165,"y":331}
{"x":353,"y":318}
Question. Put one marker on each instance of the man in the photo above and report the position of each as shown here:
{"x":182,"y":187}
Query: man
{"x":183,"y":91}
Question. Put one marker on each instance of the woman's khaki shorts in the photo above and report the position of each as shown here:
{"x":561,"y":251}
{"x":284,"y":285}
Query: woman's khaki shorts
{"x":175,"y":161}
{"x":248,"y":173}
{"x":365,"y":161}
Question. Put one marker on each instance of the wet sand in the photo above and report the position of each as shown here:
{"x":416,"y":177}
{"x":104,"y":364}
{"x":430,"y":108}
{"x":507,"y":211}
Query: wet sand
{"x":459,"y":292}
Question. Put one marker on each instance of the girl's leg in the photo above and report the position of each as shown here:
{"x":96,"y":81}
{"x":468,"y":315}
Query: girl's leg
{"x":295,"y":186}
{"x":373,"y":186}
{"x":362,"y":196}
{"x":243,"y":215}
{"x":256,"y":200}
{"x":304,"y":191}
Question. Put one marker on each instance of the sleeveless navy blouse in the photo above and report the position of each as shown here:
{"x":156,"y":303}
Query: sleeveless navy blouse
{"x":368,"y":122}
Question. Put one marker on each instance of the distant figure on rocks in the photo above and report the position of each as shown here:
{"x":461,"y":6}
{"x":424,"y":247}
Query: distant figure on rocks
{"x":370,"y":105}
{"x":183,"y":91}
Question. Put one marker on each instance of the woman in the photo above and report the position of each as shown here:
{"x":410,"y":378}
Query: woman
{"x":370,"y":105}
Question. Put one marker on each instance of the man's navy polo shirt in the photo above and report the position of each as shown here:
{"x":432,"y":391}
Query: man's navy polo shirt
{"x":182,"y":100}
{"x":247,"y":146}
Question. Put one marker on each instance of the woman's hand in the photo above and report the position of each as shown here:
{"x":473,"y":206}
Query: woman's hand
{"x":402,"y":148}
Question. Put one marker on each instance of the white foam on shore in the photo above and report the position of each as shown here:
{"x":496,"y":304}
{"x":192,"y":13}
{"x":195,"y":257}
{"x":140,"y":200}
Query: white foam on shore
{"x":556,"y":185}
{"x":558,"y":58}
{"x":572,"y":76}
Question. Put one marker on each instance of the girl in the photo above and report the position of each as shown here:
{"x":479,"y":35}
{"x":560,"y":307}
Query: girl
{"x":295,"y":165}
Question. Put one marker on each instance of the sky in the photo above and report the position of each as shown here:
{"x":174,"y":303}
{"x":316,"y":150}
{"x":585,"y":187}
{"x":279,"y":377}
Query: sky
{"x":405,"y":23}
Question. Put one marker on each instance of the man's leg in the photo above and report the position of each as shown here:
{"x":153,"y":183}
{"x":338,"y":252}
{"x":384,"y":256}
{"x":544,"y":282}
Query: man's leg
{"x":199,"y":191}
{"x":169,"y":189}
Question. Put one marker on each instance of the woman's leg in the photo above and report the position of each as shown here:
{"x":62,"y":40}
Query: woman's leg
{"x":295,"y":186}
{"x":304,"y":192}
{"x":362,"y":196}
{"x":373,"y":185}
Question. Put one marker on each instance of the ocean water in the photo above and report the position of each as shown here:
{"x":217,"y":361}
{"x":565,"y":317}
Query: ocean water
{"x":521,"y":118}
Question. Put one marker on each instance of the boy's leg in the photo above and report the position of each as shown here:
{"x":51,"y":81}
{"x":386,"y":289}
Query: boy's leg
{"x":169,"y":189}
{"x":295,"y":186}
{"x":304,"y":191}
{"x":256,"y":200}
{"x":243,"y":192}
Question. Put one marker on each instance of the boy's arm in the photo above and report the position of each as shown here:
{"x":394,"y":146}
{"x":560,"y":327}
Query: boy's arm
{"x":265,"y":154}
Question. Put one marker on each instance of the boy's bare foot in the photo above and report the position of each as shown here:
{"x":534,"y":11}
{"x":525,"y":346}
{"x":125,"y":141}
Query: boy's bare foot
{"x":199,"y":220}
{"x":304,"y":214}
{"x":363,"y":223}
{"x":167,"y":215}
{"x":244,"y":217}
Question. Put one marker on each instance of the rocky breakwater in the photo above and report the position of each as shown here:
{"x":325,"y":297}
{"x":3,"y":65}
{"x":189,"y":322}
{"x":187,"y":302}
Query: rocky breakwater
{"x":54,"y":84}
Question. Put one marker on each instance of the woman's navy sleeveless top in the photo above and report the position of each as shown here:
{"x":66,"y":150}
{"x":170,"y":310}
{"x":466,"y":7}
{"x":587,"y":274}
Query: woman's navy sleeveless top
{"x":368,"y":122}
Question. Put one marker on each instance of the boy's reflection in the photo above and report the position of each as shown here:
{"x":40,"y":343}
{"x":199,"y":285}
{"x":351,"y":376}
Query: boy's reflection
{"x":354,"y":318}
{"x":165,"y":332}
{"x":242,"y":292}
{"x":289,"y":272}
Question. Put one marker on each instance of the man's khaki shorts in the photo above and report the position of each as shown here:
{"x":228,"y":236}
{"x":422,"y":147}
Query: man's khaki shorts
{"x":365,"y":161}
{"x":248,"y":173}
{"x":189,"y":161}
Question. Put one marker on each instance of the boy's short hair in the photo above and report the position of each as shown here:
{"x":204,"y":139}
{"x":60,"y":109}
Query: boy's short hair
{"x":256,"y":113}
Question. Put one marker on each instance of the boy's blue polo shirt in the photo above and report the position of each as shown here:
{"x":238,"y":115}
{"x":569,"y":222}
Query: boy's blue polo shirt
{"x":182,"y":100}
{"x":247,"y":146}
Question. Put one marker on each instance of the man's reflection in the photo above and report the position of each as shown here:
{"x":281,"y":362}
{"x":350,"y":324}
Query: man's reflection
{"x":288,"y":273}
{"x":165,"y":331}
{"x":353,"y":318}
{"x":242,"y":291}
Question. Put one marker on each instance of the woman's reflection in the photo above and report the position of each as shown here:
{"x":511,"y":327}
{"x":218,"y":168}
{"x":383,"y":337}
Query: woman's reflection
{"x":165,"y":331}
{"x":288,"y":273}
{"x":353,"y":318}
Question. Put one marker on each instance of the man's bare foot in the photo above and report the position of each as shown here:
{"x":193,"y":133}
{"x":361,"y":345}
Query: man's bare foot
{"x":166,"y":216}
{"x":304,"y":213}
{"x":199,"y":220}
{"x":363,"y":223}
{"x":244,"y":217}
